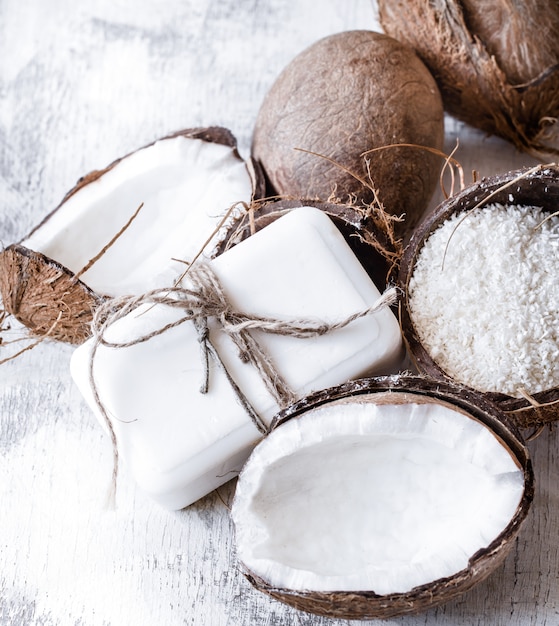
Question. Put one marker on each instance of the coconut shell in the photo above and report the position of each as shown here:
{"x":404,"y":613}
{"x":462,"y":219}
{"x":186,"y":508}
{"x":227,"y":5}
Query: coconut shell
{"x":46,"y":296}
{"x":344,"y":95}
{"x":368,"y":605}
{"x":369,"y":235}
{"x":496,"y":63}
{"x":532,"y":187}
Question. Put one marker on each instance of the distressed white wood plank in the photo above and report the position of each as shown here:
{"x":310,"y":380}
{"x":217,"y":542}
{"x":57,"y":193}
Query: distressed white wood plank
{"x":80,"y":85}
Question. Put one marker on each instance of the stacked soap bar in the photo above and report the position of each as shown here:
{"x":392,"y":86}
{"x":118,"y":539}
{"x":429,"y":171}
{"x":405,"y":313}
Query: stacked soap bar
{"x":180,"y":443}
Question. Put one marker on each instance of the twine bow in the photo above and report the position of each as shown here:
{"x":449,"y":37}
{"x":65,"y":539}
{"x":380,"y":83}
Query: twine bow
{"x":206,"y":299}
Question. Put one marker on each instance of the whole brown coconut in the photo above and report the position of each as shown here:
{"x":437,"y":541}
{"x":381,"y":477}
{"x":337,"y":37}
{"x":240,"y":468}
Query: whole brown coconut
{"x":496,"y":62}
{"x":345,"y":95}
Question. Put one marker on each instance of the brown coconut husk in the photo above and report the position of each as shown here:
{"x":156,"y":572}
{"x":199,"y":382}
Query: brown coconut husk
{"x":367,"y":604}
{"x":44,"y":296}
{"x":496,"y":63}
{"x":537,"y":186}
{"x":47,"y":297}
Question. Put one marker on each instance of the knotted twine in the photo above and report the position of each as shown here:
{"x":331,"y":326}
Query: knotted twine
{"x":206,"y":299}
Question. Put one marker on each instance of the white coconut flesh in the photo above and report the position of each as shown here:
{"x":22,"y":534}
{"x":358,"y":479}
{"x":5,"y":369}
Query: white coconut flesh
{"x":373,"y":497}
{"x":483,"y":298}
{"x":186,"y":186}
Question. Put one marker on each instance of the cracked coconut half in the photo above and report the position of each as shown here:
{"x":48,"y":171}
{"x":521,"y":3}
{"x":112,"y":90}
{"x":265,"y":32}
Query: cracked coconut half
{"x":123,"y":230}
{"x":381,"y":497}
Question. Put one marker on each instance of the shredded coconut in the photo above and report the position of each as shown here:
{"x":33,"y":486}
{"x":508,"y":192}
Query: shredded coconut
{"x":484,"y":298}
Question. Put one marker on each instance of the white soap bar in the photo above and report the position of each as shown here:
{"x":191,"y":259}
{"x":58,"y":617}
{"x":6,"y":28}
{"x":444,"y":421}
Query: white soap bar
{"x":181,"y":444}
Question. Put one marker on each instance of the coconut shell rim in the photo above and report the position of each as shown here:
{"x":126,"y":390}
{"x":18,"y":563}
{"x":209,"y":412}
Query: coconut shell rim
{"x":353,"y":221}
{"x":268,"y":209}
{"x":365,"y":604}
{"x":497,"y":189}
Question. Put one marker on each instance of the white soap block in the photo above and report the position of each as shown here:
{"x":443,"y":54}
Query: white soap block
{"x":181,"y":444}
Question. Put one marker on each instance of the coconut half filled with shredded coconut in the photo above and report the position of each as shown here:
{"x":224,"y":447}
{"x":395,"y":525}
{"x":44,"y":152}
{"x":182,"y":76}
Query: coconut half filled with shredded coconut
{"x":124,"y":230}
{"x":381,"y":497}
{"x":481,"y":292}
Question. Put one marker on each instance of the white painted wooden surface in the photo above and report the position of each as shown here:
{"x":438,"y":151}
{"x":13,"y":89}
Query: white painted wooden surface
{"x":82,"y":84}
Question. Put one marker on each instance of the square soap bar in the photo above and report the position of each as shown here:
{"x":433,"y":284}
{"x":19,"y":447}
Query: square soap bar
{"x":180,"y":443}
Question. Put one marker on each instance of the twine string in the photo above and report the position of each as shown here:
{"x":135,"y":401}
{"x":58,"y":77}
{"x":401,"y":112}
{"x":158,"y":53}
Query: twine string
{"x":206,"y":299}
{"x":208,"y":350}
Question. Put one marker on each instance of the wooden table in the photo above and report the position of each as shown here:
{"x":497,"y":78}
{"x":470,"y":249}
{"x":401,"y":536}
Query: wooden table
{"x":80,"y":85}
